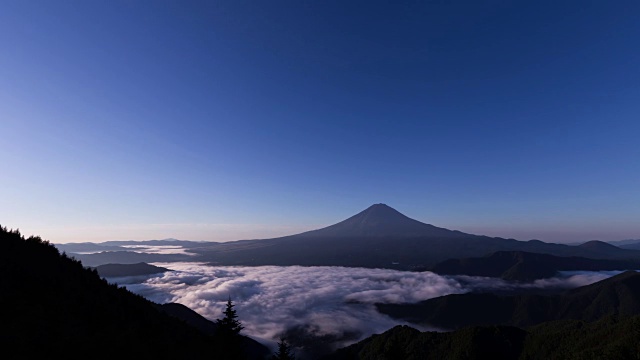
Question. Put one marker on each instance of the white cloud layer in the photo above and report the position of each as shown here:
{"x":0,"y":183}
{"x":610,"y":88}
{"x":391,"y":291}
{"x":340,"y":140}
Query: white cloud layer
{"x":327,"y":302}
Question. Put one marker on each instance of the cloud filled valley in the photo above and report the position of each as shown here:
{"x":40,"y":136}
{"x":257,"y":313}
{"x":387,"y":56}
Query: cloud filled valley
{"x":323,"y":306}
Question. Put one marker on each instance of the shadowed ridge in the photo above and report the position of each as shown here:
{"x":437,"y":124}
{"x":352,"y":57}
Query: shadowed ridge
{"x":526,"y":266}
{"x":50,"y":302}
{"x":616,"y":296}
{"x":627,"y":277}
{"x":116,"y":270}
{"x":404,"y":342}
{"x":380,"y":220}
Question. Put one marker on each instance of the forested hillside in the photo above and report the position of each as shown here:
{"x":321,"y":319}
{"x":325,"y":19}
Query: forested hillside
{"x":49,"y":302}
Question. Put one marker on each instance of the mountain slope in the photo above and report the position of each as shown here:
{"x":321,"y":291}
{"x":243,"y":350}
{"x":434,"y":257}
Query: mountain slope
{"x":618,"y":295}
{"x":117,"y":270}
{"x":403,"y":342}
{"x":380,"y":220}
{"x":526,"y":266}
{"x":608,"y":338}
{"x":50,"y":301}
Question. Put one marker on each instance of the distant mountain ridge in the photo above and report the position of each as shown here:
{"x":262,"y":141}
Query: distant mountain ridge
{"x":378,"y":237}
{"x":624,"y":243}
{"x":124,"y":245}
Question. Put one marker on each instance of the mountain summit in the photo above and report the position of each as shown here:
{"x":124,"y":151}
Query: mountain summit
{"x":380,"y":220}
{"x":378,"y":237}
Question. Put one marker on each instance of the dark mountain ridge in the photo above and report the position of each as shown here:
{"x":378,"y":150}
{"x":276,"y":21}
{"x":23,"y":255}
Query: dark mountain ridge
{"x":618,"y":295}
{"x":50,"y":302}
{"x":611,"y":337}
{"x":119,"y":270}
{"x":526,"y":266}
{"x":598,"y":321}
{"x":404,"y":342}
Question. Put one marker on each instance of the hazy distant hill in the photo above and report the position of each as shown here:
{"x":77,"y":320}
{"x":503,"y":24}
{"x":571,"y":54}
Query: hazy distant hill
{"x":123,"y":245}
{"x":50,"y":303}
{"x":127,"y":257}
{"x":632,"y":246}
{"x":525,"y":266}
{"x":624,"y":243}
{"x":163,"y":242}
{"x":618,"y":295}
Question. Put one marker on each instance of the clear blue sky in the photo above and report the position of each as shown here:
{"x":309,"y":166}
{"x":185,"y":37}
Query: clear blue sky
{"x":229,"y":120}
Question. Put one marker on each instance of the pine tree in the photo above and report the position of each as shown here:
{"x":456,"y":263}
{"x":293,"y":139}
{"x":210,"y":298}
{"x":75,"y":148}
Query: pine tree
{"x":284,"y":351}
{"x":228,"y":339}
{"x":229,"y":325}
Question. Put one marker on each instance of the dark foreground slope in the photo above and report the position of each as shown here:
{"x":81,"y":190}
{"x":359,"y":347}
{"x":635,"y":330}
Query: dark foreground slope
{"x":618,"y":295}
{"x":527,"y":266}
{"x":51,"y":303}
{"x":611,"y":337}
{"x":403,"y":342}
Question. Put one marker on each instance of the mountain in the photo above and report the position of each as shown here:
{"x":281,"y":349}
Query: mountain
{"x":252,"y":349}
{"x":404,"y":342}
{"x":163,"y":242}
{"x":118,"y":270}
{"x":618,"y":295}
{"x":635,"y":246}
{"x":378,"y":237}
{"x":624,"y":243}
{"x":127,"y":257}
{"x":526,"y":266}
{"x":189,"y":316}
{"x":50,"y":302}
{"x":124,"y":245}
{"x":611,"y":337}
{"x":596,"y":245}
{"x":380,"y":220}
{"x":381,"y":237}
{"x":598,"y":321}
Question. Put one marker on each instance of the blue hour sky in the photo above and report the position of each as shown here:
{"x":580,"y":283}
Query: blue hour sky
{"x":250,"y":119}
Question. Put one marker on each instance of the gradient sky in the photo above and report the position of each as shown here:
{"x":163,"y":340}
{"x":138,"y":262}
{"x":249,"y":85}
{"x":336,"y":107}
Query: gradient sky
{"x":249,"y":119}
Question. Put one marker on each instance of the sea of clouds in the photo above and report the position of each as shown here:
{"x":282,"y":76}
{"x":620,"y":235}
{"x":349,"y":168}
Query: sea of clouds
{"x":334,"y":305}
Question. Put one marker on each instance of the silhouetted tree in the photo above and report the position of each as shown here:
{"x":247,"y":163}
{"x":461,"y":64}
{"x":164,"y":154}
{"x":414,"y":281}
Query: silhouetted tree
{"x":228,"y":337}
{"x":284,"y":351}
{"x":229,"y":325}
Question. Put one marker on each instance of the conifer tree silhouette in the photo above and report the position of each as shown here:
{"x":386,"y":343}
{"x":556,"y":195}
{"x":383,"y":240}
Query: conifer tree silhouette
{"x":229,"y":325}
{"x":228,"y":335}
{"x":284,"y":351}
